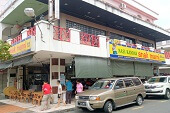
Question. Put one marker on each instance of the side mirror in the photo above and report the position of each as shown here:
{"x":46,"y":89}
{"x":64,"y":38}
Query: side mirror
{"x":169,"y":81}
{"x":117,"y":87}
{"x":146,"y":81}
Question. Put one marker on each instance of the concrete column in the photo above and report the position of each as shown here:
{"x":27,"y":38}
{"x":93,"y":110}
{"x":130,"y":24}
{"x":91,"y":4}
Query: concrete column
{"x":24,"y":33}
{"x":56,"y":69}
{"x":8,"y":77}
{"x":103,"y":44}
{"x":54,"y":76}
{"x":74,"y":36}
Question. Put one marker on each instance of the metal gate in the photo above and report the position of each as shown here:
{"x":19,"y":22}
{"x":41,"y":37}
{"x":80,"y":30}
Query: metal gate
{"x":3,"y":81}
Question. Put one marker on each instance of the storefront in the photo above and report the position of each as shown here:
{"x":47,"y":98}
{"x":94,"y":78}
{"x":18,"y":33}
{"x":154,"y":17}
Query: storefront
{"x":123,"y":61}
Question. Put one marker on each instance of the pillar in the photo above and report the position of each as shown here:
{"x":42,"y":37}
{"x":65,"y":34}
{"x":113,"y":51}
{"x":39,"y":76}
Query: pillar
{"x":57,"y":67}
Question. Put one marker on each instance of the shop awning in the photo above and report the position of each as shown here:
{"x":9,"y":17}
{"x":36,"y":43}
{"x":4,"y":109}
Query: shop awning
{"x":90,"y":67}
{"x":23,"y":61}
{"x":17,"y":15}
{"x":5,"y":65}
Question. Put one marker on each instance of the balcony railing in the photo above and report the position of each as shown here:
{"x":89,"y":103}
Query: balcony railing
{"x":89,"y":39}
{"x":16,"y":39}
{"x":31,"y":31}
{"x":62,"y":34}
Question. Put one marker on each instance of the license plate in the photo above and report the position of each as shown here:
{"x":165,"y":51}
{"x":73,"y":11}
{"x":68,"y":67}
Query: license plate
{"x":82,"y":103}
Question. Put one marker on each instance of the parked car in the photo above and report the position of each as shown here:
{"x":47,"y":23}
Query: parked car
{"x":158,"y":86}
{"x":112,"y":93}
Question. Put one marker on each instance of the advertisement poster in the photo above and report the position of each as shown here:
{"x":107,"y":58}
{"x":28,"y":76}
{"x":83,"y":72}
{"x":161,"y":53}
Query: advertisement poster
{"x":124,"y":52}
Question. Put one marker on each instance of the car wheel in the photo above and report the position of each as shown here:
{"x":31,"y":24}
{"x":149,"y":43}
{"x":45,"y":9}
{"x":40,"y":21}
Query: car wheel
{"x":139,"y":100}
{"x":167,"y":94}
{"x":108,"y":107}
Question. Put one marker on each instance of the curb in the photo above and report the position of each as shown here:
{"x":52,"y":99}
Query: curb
{"x":63,"y":111}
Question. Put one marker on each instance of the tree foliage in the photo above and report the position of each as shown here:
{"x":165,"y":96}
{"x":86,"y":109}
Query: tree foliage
{"x":4,"y":51}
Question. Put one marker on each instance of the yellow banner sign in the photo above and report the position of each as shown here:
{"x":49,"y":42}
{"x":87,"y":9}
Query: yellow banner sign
{"x":21,"y":48}
{"x":118,"y":50}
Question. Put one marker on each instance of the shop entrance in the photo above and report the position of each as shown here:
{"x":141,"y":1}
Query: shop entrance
{"x":35,"y":76}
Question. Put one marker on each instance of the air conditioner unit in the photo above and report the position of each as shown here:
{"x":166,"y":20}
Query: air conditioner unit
{"x":122,"y":6}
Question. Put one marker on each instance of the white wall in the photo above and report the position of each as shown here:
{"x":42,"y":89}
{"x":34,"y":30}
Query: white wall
{"x":73,"y":47}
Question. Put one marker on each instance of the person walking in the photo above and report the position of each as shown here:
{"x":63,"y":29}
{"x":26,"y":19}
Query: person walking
{"x":69,"y":89}
{"x":79,"y":87}
{"x":46,"y":90}
{"x":59,"y":93}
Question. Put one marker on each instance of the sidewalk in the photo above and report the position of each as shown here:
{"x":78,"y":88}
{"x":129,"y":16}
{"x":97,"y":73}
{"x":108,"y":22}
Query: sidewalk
{"x":7,"y":106}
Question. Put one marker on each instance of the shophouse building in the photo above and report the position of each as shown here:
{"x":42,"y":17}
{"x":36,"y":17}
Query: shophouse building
{"x":79,"y":39}
{"x":165,"y":45}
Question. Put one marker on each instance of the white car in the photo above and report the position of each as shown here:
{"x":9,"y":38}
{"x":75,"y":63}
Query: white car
{"x":158,"y":86}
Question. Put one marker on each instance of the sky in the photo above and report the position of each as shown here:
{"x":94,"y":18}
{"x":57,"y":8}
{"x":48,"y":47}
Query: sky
{"x":162,"y":7}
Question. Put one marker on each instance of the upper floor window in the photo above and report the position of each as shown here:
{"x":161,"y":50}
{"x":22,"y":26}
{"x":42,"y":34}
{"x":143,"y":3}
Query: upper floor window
{"x":146,"y":44}
{"x":120,"y":37}
{"x":85,"y":28}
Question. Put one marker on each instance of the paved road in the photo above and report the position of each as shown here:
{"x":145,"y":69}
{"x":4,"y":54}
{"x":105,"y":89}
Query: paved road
{"x":151,"y":105}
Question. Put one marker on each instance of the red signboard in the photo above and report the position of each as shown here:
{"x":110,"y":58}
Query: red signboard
{"x":167,"y":55}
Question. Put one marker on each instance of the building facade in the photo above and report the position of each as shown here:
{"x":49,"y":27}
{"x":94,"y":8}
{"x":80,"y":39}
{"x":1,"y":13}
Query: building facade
{"x":79,"y":39}
{"x":165,"y":45}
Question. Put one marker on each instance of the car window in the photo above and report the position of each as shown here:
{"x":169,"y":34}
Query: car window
{"x":119,"y":84}
{"x":103,"y":84}
{"x":158,"y":79}
{"x":136,"y":81}
{"x":128,"y":82}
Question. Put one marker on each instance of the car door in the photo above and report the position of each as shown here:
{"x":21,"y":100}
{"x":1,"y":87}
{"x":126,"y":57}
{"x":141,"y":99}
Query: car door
{"x":131,"y":90}
{"x":120,"y":93}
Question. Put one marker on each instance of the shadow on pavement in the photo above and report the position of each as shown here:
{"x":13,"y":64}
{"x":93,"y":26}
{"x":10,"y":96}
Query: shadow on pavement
{"x":155,"y":98}
{"x":102,"y":111}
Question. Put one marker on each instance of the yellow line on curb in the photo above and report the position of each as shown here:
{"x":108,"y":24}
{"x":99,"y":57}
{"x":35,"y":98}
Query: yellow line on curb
{"x":138,"y":108}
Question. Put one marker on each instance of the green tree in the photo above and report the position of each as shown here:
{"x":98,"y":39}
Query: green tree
{"x":4,"y":51}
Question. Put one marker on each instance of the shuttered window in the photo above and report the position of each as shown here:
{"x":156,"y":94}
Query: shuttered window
{"x":121,"y":68}
{"x":143,"y":69}
{"x":90,"y":67}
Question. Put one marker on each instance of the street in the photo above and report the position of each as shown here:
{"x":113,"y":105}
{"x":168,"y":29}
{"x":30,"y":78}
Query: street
{"x":151,"y":105}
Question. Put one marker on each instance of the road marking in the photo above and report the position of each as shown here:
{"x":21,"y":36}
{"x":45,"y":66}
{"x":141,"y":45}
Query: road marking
{"x":164,"y":101}
{"x":138,"y":108}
